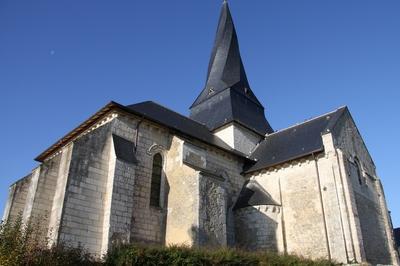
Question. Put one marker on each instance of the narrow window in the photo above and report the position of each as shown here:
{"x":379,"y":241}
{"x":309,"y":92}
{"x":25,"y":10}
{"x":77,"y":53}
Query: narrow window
{"x":156,"y":181}
{"x":358,"y":169}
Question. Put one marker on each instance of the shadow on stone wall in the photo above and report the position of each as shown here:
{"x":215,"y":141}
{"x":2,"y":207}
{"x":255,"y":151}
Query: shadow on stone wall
{"x":376,"y":245}
{"x":255,"y":229}
{"x":160,"y":226}
{"x":163,"y":217}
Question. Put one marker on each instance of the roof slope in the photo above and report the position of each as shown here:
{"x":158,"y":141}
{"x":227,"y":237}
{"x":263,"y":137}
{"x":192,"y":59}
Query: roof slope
{"x":153,"y":112}
{"x":294,"y":142}
{"x":225,"y":69}
{"x":227,"y":96}
{"x":124,"y":149}
{"x":178,"y":122}
{"x":253,"y":194}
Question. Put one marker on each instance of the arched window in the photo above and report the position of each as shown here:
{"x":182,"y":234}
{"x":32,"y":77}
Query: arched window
{"x":156,"y":181}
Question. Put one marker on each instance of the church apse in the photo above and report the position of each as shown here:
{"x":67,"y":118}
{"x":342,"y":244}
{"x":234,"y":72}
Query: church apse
{"x":258,"y":219}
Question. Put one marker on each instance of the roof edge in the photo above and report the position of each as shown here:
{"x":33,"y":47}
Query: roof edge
{"x":117,"y":106}
{"x":76,"y":131}
{"x":309,"y":120}
{"x":250,"y":171}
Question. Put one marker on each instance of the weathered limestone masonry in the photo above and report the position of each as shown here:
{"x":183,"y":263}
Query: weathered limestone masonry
{"x":143,"y":173}
{"x":83,"y":210}
{"x":95,"y":192}
{"x":296,"y":188}
{"x":17,"y":198}
{"x":199,"y":187}
{"x":372,"y":221}
{"x":33,"y":195}
{"x":259,"y":227}
{"x":220,"y":183}
{"x":238,"y":137}
{"x":45,"y":192}
{"x":148,"y":223}
{"x":204,"y":184}
{"x":83,"y":195}
{"x":58,"y":201}
{"x":182,"y":195}
{"x":326,"y":212}
{"x":92,"y":195}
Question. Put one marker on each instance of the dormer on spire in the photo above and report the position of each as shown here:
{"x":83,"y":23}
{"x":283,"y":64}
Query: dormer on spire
{"x":227,"y":96}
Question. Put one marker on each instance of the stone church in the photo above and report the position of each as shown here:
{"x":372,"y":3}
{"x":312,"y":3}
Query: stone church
{"x":143,"y":173}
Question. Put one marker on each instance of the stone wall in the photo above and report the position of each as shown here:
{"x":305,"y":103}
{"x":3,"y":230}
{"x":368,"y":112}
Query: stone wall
{"x":45,"y":192}
{"x":310,"y":214}
{"x":118,"y":214}
{"x":368,"y":198}
{"x":59,"y":195}
{"x":325,"y":211}
{"x":229,"y":167}
{"x":212,"y":211}
{"x":204,"y":185}
{"x":148,"y":222}
{"x":82,"y":218}
{"x":259,"y":228}
{"x":17,"y":199}
{"x":183,"y":198}
{"x":238,"y":137}
{"x":119,"y":200}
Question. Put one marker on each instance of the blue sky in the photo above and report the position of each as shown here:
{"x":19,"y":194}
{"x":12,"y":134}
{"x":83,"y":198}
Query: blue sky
{"x":60,"y":61}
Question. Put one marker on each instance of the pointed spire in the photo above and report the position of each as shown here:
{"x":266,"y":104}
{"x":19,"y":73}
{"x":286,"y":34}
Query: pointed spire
{"x":227,"y":96}
{"x":225,"y":69}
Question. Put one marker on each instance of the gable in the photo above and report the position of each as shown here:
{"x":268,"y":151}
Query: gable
{"x":348,"y":139}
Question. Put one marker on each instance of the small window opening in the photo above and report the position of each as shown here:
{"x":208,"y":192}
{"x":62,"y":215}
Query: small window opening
{"x":359,"y":172}
{"x":156,"y":181}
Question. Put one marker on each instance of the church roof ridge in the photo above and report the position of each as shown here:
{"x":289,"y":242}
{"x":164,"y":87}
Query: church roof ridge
{"x":151,"y":111}
{"x":167,"y":108}
{"x":293,"y":142}
{"x":343,"y":107}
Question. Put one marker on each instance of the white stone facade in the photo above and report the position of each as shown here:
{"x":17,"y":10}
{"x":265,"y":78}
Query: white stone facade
{"x":87,"y":195}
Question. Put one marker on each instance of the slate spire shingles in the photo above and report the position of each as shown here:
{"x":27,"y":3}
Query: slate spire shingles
{"x":225,"y":69}
{"x":227,"y":96}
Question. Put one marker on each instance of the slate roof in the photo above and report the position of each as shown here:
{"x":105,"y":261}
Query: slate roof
{"x":397,"y":236}
{"x":229,"y":106}
{"x":153,"y":112}
{"x":252,"y":194}
{"x":294,"y":142}
{"x":225,"y":69}
{"x":179,"y":123}
{"x":227,"y":96}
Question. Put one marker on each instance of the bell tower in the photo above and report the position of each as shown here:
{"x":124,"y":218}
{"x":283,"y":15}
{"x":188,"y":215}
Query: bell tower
{"x":227,"y":105}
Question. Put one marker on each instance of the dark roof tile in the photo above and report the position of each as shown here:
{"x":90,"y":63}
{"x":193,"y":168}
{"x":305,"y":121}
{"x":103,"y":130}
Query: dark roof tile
{"x":253,"y":194}
{"x":294,"y":142}
{"x":180,"y":123}
{"x":227,"y":96}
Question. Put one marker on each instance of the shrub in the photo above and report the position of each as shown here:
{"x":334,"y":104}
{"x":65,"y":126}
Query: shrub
{"x":25,"y":245}
{"x":178,"y":255}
